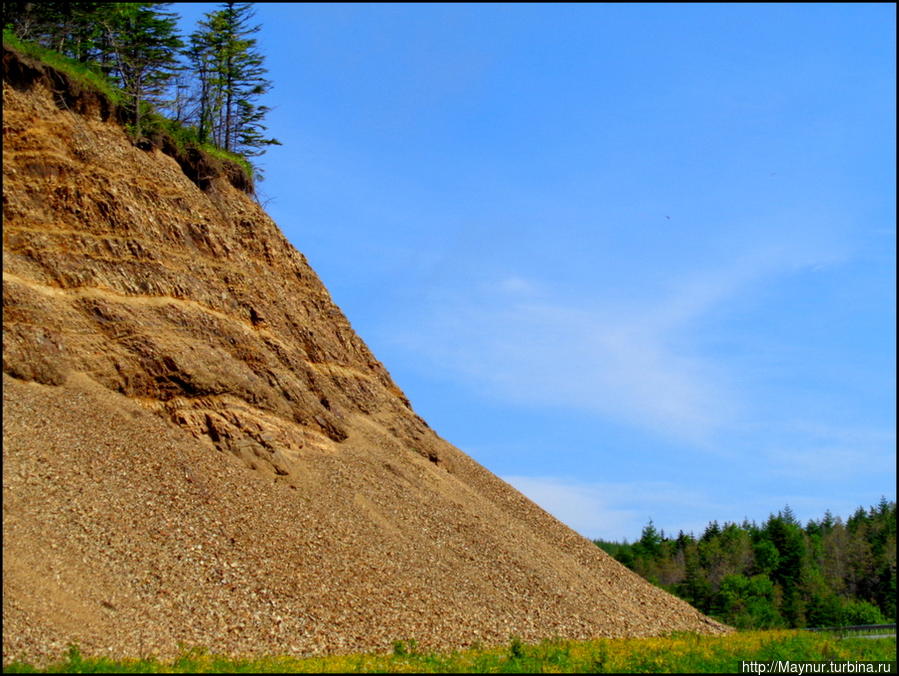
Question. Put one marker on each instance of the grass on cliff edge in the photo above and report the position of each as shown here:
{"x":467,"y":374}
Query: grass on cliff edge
{"x":90,"y":76}
{"x":675,"y":653}
{"x":86,"y":74}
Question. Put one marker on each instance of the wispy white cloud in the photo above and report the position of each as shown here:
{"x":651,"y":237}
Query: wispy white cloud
{"x":619,"y":510}
{"x":582,"y":507}
{"x":632,"y":358}
{"x":832,"y":453}
{"x":517,"y":285}
{"x":615,"y":511}
{"x":542,"y":354}
{"x":630,"y":364}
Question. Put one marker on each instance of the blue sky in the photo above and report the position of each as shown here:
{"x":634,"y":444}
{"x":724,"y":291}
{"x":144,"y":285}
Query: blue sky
{"x":637,"y":260}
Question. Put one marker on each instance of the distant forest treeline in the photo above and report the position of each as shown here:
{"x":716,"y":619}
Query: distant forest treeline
{"x":779,"y":574}
{"x":208,"y":84}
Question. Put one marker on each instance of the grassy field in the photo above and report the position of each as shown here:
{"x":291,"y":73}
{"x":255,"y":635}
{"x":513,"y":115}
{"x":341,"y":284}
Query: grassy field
{"x":676,"y":653}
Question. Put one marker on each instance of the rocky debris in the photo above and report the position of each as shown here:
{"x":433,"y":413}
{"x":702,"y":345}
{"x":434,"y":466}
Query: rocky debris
{"x":199,"y":449}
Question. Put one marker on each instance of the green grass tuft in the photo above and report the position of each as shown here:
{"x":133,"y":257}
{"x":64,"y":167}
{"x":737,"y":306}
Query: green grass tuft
{"x":228,"y":156}
{"x":87,"y":74}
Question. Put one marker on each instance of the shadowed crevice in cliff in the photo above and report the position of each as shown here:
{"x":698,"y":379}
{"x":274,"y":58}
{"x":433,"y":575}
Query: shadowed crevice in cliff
{"x":201,"y":167}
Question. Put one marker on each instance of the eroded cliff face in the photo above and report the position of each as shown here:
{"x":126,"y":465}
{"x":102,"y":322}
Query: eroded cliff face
{"x":199,"y":449}
{"x":192,"y":302}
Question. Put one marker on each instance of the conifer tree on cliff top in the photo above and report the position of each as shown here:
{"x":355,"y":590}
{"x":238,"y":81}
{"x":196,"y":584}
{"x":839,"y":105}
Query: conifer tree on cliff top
{"x":144,"y":45}
{"x":230,"y":80}
{"x":69,"y":28}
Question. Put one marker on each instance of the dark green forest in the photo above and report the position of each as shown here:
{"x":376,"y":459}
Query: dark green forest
{"x":205,"y":88}
{"x":779,"y":574}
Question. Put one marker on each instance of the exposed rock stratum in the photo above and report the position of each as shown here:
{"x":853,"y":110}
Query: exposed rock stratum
{"x":198,"y":449}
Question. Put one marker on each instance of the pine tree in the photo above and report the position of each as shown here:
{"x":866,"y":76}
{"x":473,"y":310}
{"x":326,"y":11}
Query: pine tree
{"x":231,"y":78}
{"x":827,"y":523}
{"x":788,"y":515}
{"x":180,"y":105}
{"x":144,"y":46}
{"x":650,"y":541}
{"x":202,"y":54}
{"x":70,"y":28}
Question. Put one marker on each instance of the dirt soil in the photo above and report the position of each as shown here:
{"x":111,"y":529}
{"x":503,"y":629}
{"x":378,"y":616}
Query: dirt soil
{"x":199,"y":449}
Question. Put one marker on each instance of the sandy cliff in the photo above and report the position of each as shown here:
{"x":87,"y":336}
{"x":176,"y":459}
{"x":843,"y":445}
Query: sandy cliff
{"x":198,"y":448}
